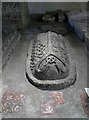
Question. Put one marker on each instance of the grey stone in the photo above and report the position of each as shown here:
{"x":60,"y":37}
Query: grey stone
{"x":45,"y":28}
{"x":10,"y":38}
{"x":48,"y":18}
{"x":48,"y":63}
{"x":61,"y":17}
{"x":17,"y":12}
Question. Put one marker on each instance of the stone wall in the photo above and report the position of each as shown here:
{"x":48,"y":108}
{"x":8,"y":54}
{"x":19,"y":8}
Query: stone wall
{"x":14,"y":16}
{"x":42,"y":7}
{"x":17,"y":12}
{"x":10,"y":34}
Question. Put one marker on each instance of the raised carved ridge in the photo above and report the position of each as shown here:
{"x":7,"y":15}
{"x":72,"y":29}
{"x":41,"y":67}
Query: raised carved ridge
{"x":48,"y":60}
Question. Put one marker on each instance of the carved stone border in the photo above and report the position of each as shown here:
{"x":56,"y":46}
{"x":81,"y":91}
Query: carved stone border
{"x":48,"y":84}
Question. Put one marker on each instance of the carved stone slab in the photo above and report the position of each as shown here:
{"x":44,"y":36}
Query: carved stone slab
{"x":48,"y":63}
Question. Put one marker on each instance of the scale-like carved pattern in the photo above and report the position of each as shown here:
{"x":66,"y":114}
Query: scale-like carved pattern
{"x":37,"y":53}
{"x":53,"y":60}
{"x":48,"y":62}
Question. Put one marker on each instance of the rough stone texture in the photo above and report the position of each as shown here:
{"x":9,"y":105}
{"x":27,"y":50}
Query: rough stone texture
{"x":48,"y":63}
{"x":8,"y":31}
{"x":16,"y":11}
{"x":58,"y":15}
{"x":14,"y":79}
{"x":59,"y":30}
{"x":10,"y":34}
{"x":45,"y":28}
{"x":24,"y":13}
{"x":86,"y":39}
{"x":85,"y":103}
{"x":12,"y":101}
{"x":10,"y":9}
{"x":61,"y":17}
{"x":48,"y":18}
{"x":10,"y":38}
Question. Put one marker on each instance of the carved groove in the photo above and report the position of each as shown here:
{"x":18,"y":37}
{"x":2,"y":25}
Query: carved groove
{"x":49,"y":63}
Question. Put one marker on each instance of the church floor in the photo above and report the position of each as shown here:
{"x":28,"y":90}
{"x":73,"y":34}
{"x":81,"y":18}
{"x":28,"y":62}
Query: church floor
{"x":14,"y":79}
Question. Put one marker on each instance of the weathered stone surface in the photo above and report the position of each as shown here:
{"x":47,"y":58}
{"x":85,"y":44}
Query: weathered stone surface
{"x":46,"y":28}
{"x":58,"y":15}
{"x":10,"y":34}
{"x":48,"y":63}
{"x":61,"y":16}
{"x":48,"y":18}
{"x":17,"y":12}
{"x":59,"y":28}
{"x":12,"y":101}
{"x":10,"y":38}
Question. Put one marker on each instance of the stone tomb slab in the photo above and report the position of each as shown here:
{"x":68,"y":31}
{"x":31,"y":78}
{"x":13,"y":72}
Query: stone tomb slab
{"x":48,"y":64}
